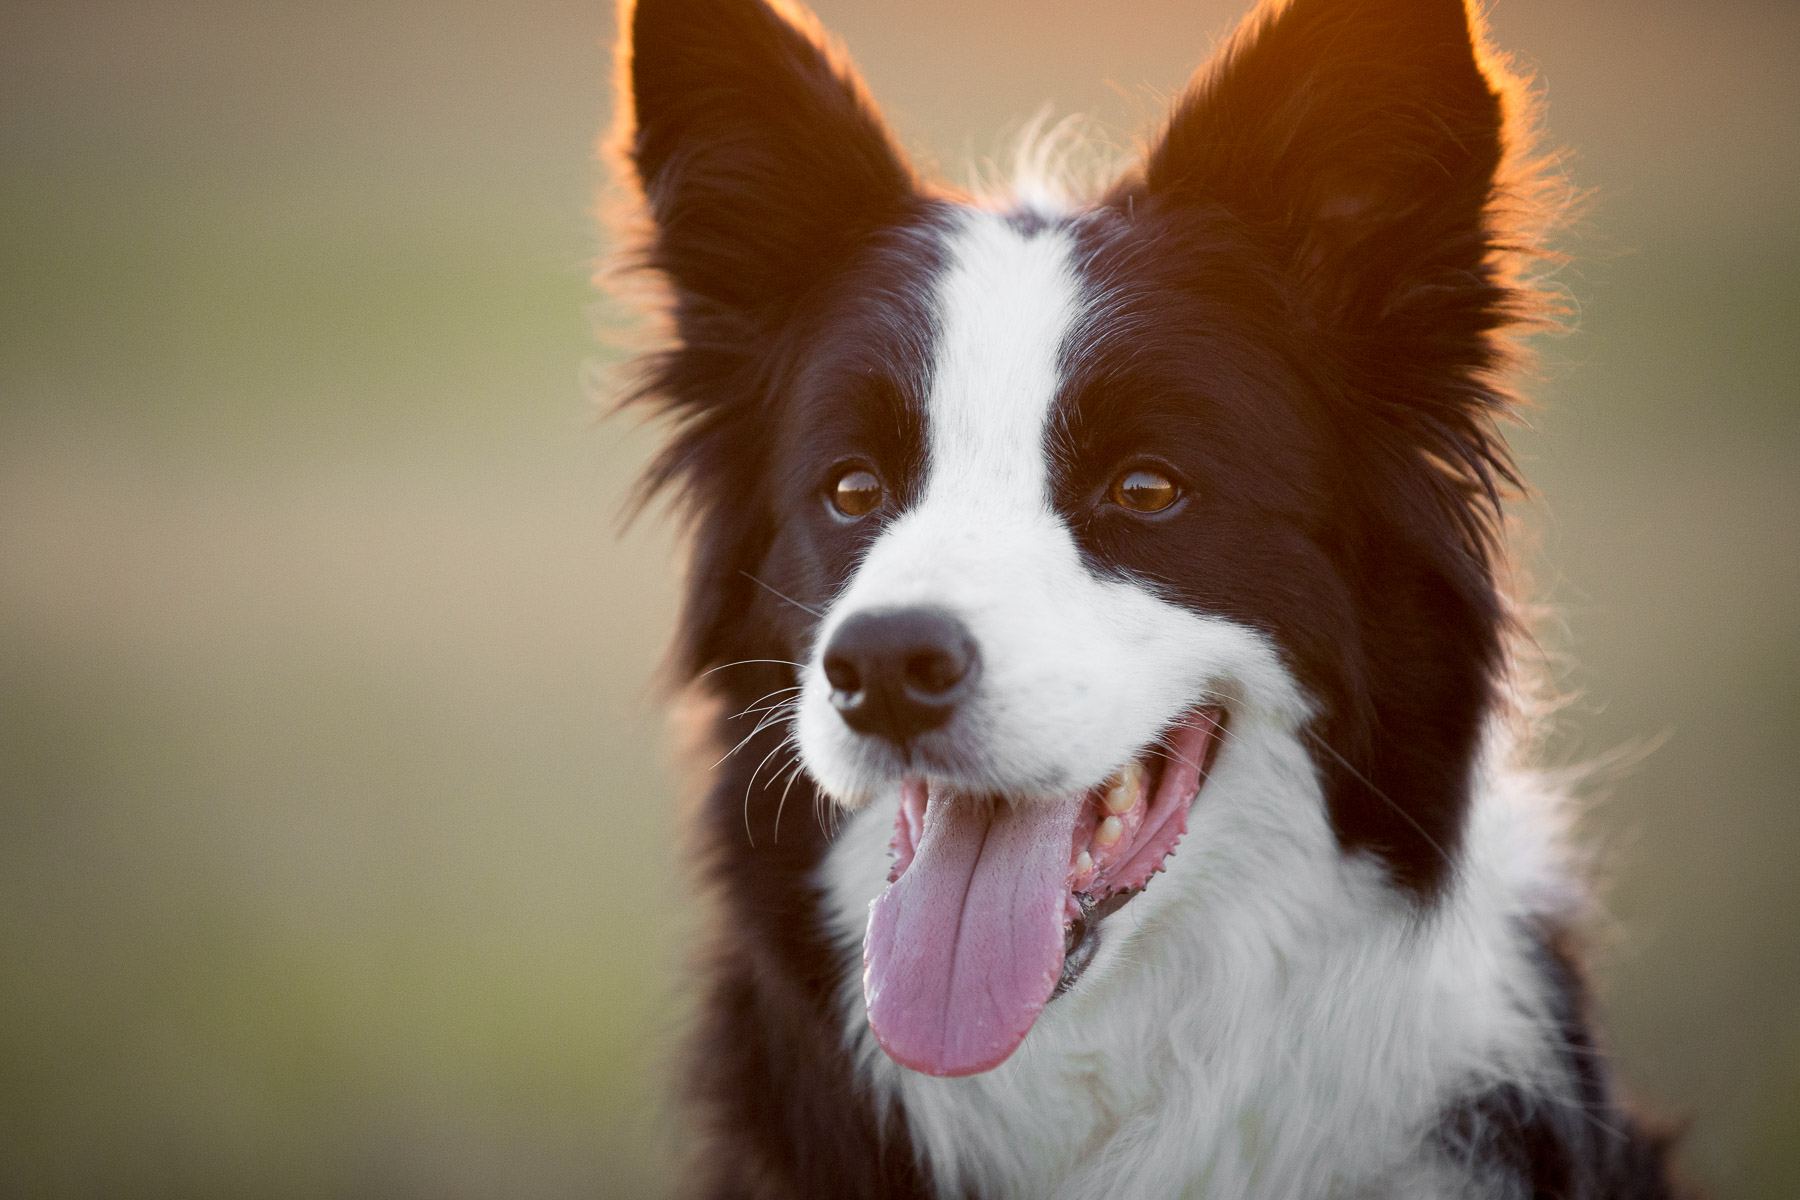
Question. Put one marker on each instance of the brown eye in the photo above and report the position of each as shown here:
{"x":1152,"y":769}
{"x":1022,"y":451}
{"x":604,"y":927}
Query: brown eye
{"x":1144,"y":491}
{"x":856,"y":493}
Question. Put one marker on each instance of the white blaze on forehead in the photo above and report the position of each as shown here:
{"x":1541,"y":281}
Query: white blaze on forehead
{"x":1004,"y":307}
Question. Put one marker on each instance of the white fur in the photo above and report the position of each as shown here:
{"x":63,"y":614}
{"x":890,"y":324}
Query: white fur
{"x":1269,"y":1018}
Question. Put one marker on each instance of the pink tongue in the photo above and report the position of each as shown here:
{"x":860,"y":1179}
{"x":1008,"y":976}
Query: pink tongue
{"x":964,"y":949}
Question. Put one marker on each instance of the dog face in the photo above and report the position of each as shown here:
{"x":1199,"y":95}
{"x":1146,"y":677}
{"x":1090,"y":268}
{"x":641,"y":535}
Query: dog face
{"x":1051,"y":505}
{"x":1055,"y":519}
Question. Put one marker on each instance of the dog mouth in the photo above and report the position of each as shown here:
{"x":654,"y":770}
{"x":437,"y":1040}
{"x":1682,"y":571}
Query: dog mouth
{"x":993,"y":905}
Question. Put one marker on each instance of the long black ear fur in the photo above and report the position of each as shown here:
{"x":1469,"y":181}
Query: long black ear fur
{"x":759,"y":155}
{"x":1364,"y":144}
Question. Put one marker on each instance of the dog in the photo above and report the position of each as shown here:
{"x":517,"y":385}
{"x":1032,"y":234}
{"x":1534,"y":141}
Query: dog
{"x":1136,"y":796}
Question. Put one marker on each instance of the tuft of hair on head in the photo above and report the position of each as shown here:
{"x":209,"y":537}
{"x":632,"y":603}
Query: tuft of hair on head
{"x":1049,"y":166}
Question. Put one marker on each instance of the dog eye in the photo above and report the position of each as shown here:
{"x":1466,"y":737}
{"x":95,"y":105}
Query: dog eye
{"x":856,"y":493}
{"x":1144,"y":491}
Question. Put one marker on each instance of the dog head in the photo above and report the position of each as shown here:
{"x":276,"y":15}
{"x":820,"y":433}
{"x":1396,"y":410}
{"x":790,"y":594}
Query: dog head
{"x":1050,"y":506}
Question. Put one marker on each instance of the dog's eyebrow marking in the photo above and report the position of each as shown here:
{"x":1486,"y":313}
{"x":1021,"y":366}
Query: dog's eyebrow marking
{"x":1006,"y":303}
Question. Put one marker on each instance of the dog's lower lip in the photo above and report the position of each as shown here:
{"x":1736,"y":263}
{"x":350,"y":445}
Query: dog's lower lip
{"x":1079,"y":947}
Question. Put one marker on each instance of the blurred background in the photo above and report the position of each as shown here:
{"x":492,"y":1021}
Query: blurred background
{"x":338,"y":847}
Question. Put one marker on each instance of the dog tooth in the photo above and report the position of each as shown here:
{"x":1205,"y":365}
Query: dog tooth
{"x":1123,"y":795}
{"x":1108,"y":832}
{"x":1084,"y":863}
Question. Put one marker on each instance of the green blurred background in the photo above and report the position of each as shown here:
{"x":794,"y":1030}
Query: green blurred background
{"x":338,"y":853}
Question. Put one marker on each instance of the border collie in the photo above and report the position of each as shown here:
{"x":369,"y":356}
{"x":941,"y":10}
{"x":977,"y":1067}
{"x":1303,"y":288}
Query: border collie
{"x":1132,"y":800}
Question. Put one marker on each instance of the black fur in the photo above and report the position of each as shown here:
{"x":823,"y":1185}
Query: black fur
{"x":1305,"y":293}
{"x":1590,"y":1148}
{"x":765,"y":174}
{"x":787,"y":228}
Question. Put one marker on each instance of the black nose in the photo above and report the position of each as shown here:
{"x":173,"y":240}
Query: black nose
{"x":896,"y":673}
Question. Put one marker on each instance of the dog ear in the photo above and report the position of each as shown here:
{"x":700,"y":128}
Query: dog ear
{"x":760,"y":157}
{"x":762,"y":166}
{"x":1361,"y":139}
